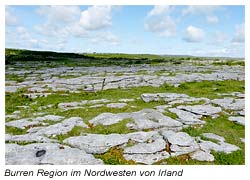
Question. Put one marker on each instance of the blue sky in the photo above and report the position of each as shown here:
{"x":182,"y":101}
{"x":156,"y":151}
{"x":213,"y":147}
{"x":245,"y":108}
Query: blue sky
{"x":180,"y":30}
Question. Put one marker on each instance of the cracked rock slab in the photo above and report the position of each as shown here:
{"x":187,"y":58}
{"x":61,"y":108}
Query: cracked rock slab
{"x":106,"y":119}
{"x":221,"y":147}
{"x":27,"y":122}
{"x":187,"y":118}
{"x":230,"y":103}
{"x":178,"y":138}
{"x":238,"y":119}
{"x":202,"y":156}
{"x":59,"y":128}
{"x":207,"y":110}
{"x":213,"y":136}
{"x":162,"y":96}
{"x":157,"y":145}
{"x":116,"y":105}
{"x":47,"y":153}
{"x":30,"y":138}
{"x":96,"y":143}
{"x":141,"y":136}
{"x":150,"y":118}
{"x":180,"y":150}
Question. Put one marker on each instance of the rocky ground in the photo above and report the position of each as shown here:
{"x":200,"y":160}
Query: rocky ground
{"x":95,"y":115}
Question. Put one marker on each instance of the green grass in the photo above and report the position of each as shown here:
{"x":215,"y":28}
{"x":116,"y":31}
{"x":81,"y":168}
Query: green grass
{"x":230,"y":63}
{"x":114,"y":157}
{"x":170,"y":114}
{"x":221,"y":126}
{"x":14,"y":130}
{"x":119,"y":128}
{"x":234,"y":158}
{"x":15,"y":77}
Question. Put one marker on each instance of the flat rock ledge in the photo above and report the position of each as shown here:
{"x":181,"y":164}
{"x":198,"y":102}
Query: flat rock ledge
{"x":47,"y":154}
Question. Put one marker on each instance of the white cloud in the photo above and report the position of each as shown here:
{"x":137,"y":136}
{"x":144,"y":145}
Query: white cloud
{"x":212,"y":19}
{"x":106,"y":37}
{"x":21,"y":36}
{"x":207,"y":10}
{"x":193,"y":34}
{"x":239,"y":35}
{"x":10,"y":19}
{"x":218,"y":38}
{"x":96,"y":17}
{"x":57,"y":14}
{"x":78,"y":31}
{"x":158,"y":21}
{"x":159,"y":10}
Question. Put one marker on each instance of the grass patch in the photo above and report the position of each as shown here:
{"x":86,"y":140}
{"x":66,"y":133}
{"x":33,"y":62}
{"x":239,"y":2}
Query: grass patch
{"x":114,"y":157}
{"x":15,"y":77}
{"x":14,"y":130}
{"x":170,"y":114}
{"x":182,"y":160}
{"x":208,"y":89}
{"x":119,"y":128}
{"x":229,"y":63}
{"x":234,"y":158}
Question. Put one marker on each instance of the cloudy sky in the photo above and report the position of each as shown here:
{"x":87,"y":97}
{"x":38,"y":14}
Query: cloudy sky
{"x":186,"y":30}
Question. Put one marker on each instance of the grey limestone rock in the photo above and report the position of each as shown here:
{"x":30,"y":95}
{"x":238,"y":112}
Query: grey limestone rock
{"x":187,"y":117}
{"x":106,"y":119}
{"x":221,"y":147}
{"x":156,"y":145}
{"x":162,"y":96}
{"x":47,"y":153}
{"x":201,"y":109}
{"x":96,"y":143}
{"x":141,"y":136}
{"x":116,"y":105}
{"x":60,"y":128}
{"x":28,"y":138}
{"x":238,"y":119}
{"x":150,"y":118}
{"x":213,"y":136}
{"x":178,"y":138}
{"x":202,"y":156}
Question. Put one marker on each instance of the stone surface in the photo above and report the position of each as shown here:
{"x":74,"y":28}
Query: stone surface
{"x":153,"y":134}
{"x":187,"y":117}
{"x":116,"y":105}
{"x":179,"y":138}
{"x":180,"y":142}
{"x":213,"y":136}
{"x":230,"y":103}
{"x":47,"y":153}
{"x":106,"y":119}
{"x":202,"y":156}
{"x":24,"y":123}
{"x":156,"y":145}
{"x":28,"y":138}
{"x":147,"y":158}
{"x":201,"y":109}
{"x":221,"y":147}
{"x":238,"y":119}
{"x":96,"y":143}
{"x":162,"y":96}
{"x":177,"y":150}
{"x":141,"y":136}
{"x":60,"y":128}
{"x":150,"y":118}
